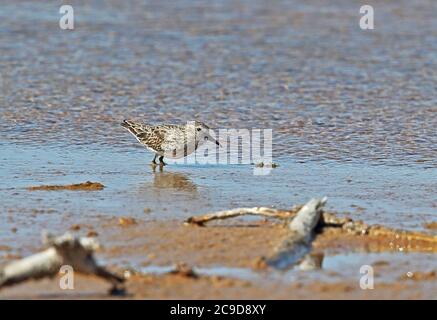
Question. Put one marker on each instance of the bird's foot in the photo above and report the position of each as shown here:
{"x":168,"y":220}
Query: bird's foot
{"x":161,"y":161}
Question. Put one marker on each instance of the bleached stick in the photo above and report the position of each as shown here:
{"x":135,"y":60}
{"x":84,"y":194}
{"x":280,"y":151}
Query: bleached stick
{"x":226,"y":214}
{"x":42,"y":264}
{"x":63,"y":250}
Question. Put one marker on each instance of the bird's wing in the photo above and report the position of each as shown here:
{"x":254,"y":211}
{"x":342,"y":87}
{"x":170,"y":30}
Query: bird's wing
{"x":150,"y":136}
{"x":175,"y":140}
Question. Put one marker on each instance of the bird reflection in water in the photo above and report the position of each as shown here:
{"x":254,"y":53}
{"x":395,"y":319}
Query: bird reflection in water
{"x":172,"y":180}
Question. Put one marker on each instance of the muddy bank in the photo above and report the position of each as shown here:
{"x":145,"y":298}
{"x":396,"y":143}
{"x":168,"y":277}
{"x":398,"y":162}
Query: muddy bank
{"x":86,"y":186}
{"x":241,"y":243}
{"x":216,"y":287}
{"x":166,"y":243}
{"x":226,"y":258}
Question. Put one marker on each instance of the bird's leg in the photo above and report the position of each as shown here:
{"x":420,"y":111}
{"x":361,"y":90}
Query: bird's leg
{"x":154,"y":158}
{"x":161,"y":161}
{"x":153,"y":163}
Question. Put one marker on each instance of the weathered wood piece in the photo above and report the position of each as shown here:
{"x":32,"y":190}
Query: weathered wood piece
{"x":63,"y":250}
{"x":296,"y":248}
{"x":226,"y":214}
{"x":298,"y":243}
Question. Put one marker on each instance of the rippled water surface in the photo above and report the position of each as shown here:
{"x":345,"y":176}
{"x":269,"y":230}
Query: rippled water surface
{"x":353,"y":112}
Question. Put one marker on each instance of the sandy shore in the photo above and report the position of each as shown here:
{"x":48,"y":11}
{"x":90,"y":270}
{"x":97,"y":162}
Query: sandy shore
{"x":226,"y":258}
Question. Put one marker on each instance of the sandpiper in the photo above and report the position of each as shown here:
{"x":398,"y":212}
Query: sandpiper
{"x":170,"y":140}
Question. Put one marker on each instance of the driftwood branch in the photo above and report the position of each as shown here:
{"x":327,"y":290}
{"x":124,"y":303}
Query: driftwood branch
{"x":302,"y":224}
{"x":226,"y":214}
{"x":63,"y":250}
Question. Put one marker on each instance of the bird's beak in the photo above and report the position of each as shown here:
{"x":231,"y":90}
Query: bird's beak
{"x":214,"y":140}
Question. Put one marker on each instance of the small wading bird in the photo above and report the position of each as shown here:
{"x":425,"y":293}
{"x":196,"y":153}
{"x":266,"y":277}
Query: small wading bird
{"x":170,"y":140}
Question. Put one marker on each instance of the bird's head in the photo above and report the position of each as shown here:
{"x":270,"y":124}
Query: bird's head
{"x":204,"y":133}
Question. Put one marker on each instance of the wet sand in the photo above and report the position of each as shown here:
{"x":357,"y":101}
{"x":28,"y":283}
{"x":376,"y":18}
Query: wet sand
{"x":353,"y":115}
{"x":225,"y":259}
{"x":216,"y":287}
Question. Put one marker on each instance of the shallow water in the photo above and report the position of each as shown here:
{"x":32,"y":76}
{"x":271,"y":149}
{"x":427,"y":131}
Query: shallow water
{"x":335,"y":268}
{"x":353,"y":113}
{"x":328,"y":89}
{"x":397,"y":196}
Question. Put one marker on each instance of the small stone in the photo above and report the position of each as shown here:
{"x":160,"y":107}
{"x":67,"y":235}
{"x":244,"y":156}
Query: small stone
{"x":126,"y":221}
{"x":92,"y":234}
{"x":75,"y":227}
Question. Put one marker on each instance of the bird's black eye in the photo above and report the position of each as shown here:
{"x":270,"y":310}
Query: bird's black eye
{"x":198,"y":129}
